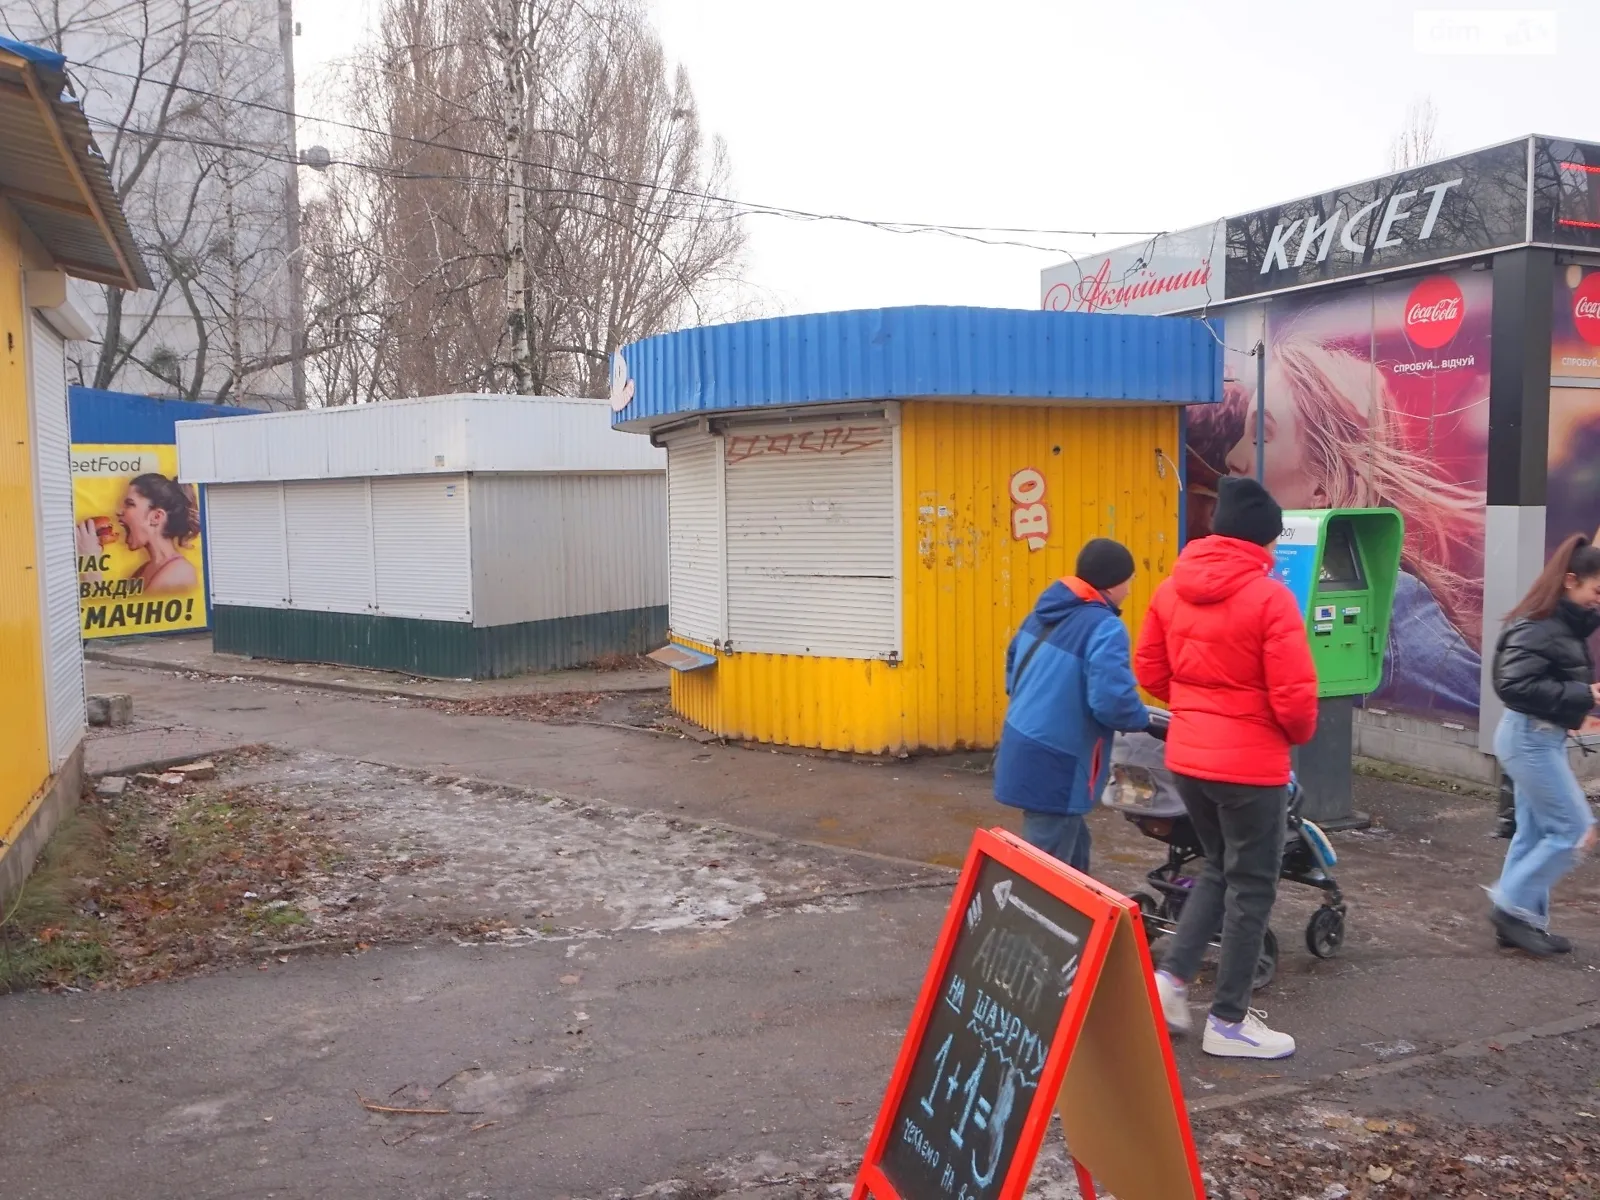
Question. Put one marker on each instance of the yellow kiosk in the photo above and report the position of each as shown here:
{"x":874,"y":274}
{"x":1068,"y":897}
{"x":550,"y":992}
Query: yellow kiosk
{"x":863,"y":506}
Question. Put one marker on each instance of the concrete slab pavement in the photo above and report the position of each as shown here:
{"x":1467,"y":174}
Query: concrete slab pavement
{"x":193,"y":653}
{"x":1419,"y":971}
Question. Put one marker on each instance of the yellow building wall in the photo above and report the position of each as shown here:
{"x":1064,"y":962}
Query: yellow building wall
{"x":967,"y":582}
{"x":24,"y":751}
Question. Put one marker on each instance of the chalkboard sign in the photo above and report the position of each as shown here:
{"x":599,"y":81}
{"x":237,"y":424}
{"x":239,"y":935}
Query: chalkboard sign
{"x":1040,"y":997}
{"x":977,"y":1071}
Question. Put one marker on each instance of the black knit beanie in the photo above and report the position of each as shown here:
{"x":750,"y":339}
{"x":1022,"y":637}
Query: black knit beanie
{"x":1245,"y":510}
{"x":1104,"y":564}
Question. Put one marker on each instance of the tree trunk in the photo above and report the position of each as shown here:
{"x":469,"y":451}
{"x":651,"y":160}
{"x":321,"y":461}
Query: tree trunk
{"x":513,"y":47}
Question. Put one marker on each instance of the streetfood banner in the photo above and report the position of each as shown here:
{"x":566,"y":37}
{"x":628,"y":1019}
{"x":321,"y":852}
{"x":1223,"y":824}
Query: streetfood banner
{"x":1448,"y":209}
{"x":140,"y":568}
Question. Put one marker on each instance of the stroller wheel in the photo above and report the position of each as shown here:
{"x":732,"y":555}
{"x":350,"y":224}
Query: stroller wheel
{"x":1150,"y":910}
{"x":1267,"y":964}
{"x":1325,"y":932}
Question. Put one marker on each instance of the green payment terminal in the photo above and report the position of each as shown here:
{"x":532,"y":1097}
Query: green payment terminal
{"x":1342,"y":564}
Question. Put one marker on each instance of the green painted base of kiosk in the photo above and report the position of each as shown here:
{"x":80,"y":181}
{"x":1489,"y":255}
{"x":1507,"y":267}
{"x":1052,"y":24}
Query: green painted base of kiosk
{"x":435,"y":649}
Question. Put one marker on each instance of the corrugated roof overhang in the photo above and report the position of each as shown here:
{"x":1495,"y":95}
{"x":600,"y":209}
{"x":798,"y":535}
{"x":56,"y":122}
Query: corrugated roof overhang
{"x":53,"y":175}
{"x":999,"y":356}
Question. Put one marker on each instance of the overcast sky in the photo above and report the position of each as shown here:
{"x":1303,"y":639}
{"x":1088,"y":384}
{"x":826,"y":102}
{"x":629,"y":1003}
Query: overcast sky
{"x":1058,"y":114}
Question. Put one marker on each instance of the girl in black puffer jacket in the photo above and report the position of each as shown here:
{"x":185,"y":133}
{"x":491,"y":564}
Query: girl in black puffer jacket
{"x":1544,"y":675}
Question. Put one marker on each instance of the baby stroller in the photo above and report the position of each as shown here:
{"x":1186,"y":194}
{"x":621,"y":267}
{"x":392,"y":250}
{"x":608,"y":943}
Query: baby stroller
{"x":1141,"y":788}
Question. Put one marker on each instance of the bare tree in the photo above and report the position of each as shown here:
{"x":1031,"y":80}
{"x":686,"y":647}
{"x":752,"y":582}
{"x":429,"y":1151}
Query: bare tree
{"x":538,"y":193}
{"x":1418,"y":141}
{"x":185,"y":99}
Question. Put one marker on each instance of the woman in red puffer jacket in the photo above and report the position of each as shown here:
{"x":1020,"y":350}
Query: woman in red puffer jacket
{"x":1224,"y":646}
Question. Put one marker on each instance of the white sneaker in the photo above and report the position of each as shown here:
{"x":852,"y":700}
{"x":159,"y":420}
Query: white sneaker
{"x":1174,"y":1003}
{"x":1249,"y":1038}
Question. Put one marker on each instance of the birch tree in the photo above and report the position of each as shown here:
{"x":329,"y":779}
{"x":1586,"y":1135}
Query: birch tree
{"x":536,"y":192}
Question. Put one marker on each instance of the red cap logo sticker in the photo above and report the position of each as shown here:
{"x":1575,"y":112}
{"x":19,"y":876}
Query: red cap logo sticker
{"x":1433,"y":312}
{"x":1586,"y":309}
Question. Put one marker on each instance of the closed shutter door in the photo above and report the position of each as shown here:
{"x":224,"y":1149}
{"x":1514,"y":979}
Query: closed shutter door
{"x":694,"y":535}
{"x":245,"y":545}
{"x":421,"y":547}
{"x":811,"y":541}
{"x":58,"y":551}
{"x":329,"y":527}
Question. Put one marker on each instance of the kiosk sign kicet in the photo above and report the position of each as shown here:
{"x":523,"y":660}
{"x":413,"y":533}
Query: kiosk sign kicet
{"x":140,"y":568}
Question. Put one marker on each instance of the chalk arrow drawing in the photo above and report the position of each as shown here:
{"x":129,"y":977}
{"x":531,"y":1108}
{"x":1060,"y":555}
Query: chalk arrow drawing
{"x":1003,"y":897}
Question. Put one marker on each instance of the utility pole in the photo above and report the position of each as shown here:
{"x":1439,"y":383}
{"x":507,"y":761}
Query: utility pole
{"x":291,"y":205}
{"x":512,"y":38}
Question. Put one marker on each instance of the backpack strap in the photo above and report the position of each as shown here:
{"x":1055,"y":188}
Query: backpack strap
{"x":1045,"y":630}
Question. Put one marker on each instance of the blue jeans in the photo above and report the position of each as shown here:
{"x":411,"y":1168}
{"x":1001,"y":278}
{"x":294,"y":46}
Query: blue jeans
{"x":1553,"y":816}
{"x":1063,"y":835}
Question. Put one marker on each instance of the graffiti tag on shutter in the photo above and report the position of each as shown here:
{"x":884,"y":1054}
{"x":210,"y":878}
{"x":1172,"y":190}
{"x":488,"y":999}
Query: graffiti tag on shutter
{"x":837,"y":439}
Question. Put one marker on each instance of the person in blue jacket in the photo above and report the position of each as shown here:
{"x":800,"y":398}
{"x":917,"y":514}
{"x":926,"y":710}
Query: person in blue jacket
{"x":1071,"y":686}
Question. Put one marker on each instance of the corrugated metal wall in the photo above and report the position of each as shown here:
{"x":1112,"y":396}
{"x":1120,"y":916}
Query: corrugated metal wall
{"x":968,"y":582}
{"x":546,"y":546}
{"x":850,"y":704}
{"x":58,"y":557}
{"x":24,"y":749}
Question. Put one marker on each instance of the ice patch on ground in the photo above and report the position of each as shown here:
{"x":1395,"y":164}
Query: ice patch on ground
{"x":509,"y":865}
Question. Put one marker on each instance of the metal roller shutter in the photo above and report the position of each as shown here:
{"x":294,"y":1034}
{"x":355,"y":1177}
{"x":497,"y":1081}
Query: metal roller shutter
{"x":57,"y":553}
{"x":329,"y":525}
{"x":245,"y":544}
{"x":421,"y":547}
{"x":811,"y":540}
{"x":694,"y":534}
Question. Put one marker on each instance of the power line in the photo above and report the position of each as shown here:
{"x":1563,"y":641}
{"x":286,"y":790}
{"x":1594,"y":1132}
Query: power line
{"x":738,"y":208}
{"x":753,"y":208}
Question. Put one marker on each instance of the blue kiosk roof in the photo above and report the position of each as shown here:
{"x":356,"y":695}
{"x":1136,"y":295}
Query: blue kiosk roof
{"x":987,"y":354}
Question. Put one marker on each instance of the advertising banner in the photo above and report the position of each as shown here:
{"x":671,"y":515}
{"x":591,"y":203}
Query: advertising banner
{"x":1575,"y":325}
{"x":138,"y":536}
{"x":1377,"y":397}
{"x":1171,"y":272}
{"x":1446,"y":209}
{"x":1572,"y":499}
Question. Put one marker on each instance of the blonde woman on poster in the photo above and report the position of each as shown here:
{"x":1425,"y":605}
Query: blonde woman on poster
{"x":1331,"y":441}
{"x":160,"y":518}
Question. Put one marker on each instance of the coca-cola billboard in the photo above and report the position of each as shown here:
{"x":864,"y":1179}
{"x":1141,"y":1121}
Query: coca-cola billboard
{"x":1169,"y":273}
{"x":1449,"y":209}
{"x":1575,"y":323}
{"x":1374,"y":396}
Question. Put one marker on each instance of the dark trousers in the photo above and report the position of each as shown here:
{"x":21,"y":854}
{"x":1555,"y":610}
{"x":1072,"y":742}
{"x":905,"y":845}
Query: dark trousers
{"x":1063,"y":835}
{"x":1241,"y":830}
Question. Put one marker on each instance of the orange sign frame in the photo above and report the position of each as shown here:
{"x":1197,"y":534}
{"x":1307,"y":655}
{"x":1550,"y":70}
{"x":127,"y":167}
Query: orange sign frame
{"x":1110,"y":1072}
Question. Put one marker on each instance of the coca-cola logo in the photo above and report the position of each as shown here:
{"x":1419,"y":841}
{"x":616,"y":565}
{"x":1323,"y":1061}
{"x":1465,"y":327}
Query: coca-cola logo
{"x":1433,"y":312}
{"x":1586,"y":309}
